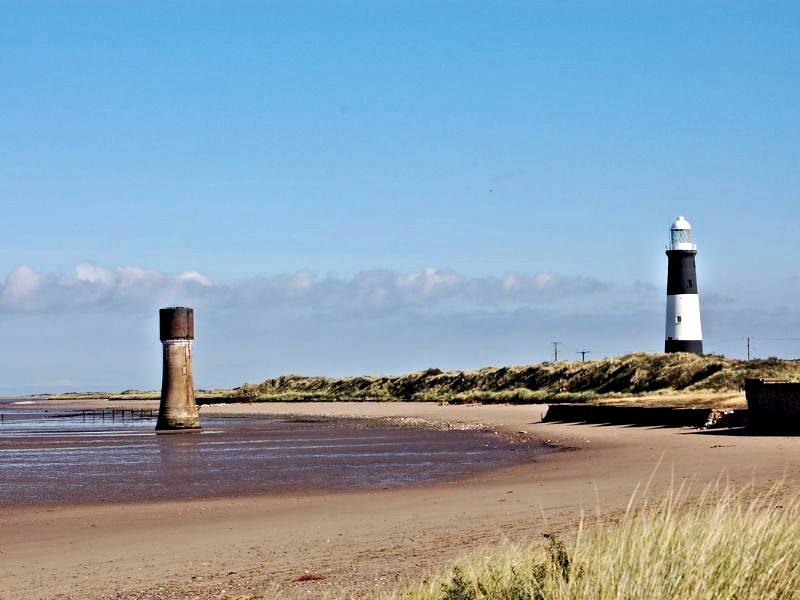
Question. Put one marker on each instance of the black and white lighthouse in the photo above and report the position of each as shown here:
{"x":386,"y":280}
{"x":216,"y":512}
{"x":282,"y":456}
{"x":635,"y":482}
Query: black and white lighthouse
{"x":683,"y":331}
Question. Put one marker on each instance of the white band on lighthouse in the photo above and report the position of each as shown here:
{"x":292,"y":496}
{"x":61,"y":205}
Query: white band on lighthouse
{"x":683,"y":317}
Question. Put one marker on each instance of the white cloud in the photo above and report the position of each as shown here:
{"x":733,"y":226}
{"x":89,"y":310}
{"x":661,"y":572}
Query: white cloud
{"x":546,"y":280}
{"x":427,"y":291}
{"x":21,"y":283}
{"x":195,"y":277}
{"x":92,"y":273}
{"x":429,"y":280}
{"x":130,"y":276}
{"x":301,"y":282}
{"x":510,"y":282}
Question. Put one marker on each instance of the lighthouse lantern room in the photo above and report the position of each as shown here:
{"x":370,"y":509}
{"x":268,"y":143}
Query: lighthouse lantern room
{"x":683,"y":331}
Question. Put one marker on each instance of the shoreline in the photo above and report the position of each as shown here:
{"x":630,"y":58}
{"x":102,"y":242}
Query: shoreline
{"x":358,"y":539}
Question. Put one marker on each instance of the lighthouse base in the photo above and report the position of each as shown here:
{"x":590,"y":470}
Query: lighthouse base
{"x":693,"y":346}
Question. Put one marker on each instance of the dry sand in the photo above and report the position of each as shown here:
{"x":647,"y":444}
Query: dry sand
{"x":258,"y":546}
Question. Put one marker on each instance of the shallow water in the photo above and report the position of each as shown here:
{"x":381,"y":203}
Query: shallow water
{"x":57,"y":456}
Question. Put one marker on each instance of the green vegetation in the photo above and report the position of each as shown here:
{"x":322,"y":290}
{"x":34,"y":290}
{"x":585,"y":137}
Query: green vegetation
{"x":565,"y":381}
{"x":722,"y":546}
{"x":642,"y":379}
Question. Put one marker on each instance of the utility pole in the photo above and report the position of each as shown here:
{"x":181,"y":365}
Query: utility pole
{"x":748,"y":347}
{"x":583,"y":354}
{"x":555,"y":351}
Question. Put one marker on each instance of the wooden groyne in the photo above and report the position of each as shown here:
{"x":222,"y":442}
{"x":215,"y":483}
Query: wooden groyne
{"x":111,"y":414}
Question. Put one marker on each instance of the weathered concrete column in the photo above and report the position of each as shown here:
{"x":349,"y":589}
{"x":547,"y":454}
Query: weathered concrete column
{"x":178,"y":410}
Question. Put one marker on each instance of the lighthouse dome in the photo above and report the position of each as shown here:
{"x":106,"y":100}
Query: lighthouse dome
{"x":681,"y":223}
{"x":681,"y":235}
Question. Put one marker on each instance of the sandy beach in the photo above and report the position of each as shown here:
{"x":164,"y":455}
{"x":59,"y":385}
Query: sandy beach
{"x":357,"y":540}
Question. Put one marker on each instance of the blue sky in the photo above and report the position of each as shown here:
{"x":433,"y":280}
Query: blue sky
{"x":350,"y":187}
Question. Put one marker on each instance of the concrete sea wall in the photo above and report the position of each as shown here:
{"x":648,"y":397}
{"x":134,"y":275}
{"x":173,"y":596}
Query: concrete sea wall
{"x":772,"y":405}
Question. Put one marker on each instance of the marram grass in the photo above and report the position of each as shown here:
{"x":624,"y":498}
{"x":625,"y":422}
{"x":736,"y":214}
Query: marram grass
{"x":722,"y":546}
{"x":698,"y":380}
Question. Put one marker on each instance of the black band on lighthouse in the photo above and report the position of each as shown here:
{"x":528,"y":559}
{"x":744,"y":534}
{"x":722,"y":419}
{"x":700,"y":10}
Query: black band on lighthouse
{"x":681,"y":272}
{"x":693,"y":346}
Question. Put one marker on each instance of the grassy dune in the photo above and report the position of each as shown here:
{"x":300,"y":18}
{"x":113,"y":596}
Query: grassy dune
{"x":642,"y":379}
{"x":674,"y":379}
{"x":722,"y":546}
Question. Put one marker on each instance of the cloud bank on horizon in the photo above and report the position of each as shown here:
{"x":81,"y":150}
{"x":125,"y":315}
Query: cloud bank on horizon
{"x":95,"y":328}
{"x":427,"y":291}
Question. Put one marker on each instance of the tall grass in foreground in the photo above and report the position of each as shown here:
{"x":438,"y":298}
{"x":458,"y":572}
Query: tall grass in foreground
{"x":723,"y":546}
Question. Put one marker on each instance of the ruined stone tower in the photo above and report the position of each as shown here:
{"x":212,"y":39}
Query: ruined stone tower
{"x":178,"y":410}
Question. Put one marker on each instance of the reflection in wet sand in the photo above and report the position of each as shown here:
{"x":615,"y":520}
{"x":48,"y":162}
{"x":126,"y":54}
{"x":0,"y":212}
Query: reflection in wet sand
{"x":55,"y":458}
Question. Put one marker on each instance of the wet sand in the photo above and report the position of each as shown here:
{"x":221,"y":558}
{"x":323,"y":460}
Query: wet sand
{"x":211,"y":548}
{"x":72,"y":457}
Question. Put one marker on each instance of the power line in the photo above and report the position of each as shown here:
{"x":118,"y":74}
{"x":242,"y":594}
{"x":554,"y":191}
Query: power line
{"x":752,"y":337}
{"x":583,"y":354}
{"x":749,"y":345}
{"x":720,"y":342}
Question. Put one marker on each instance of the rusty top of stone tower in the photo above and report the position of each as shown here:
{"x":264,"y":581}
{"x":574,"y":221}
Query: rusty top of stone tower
{"x":176,"y":323}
